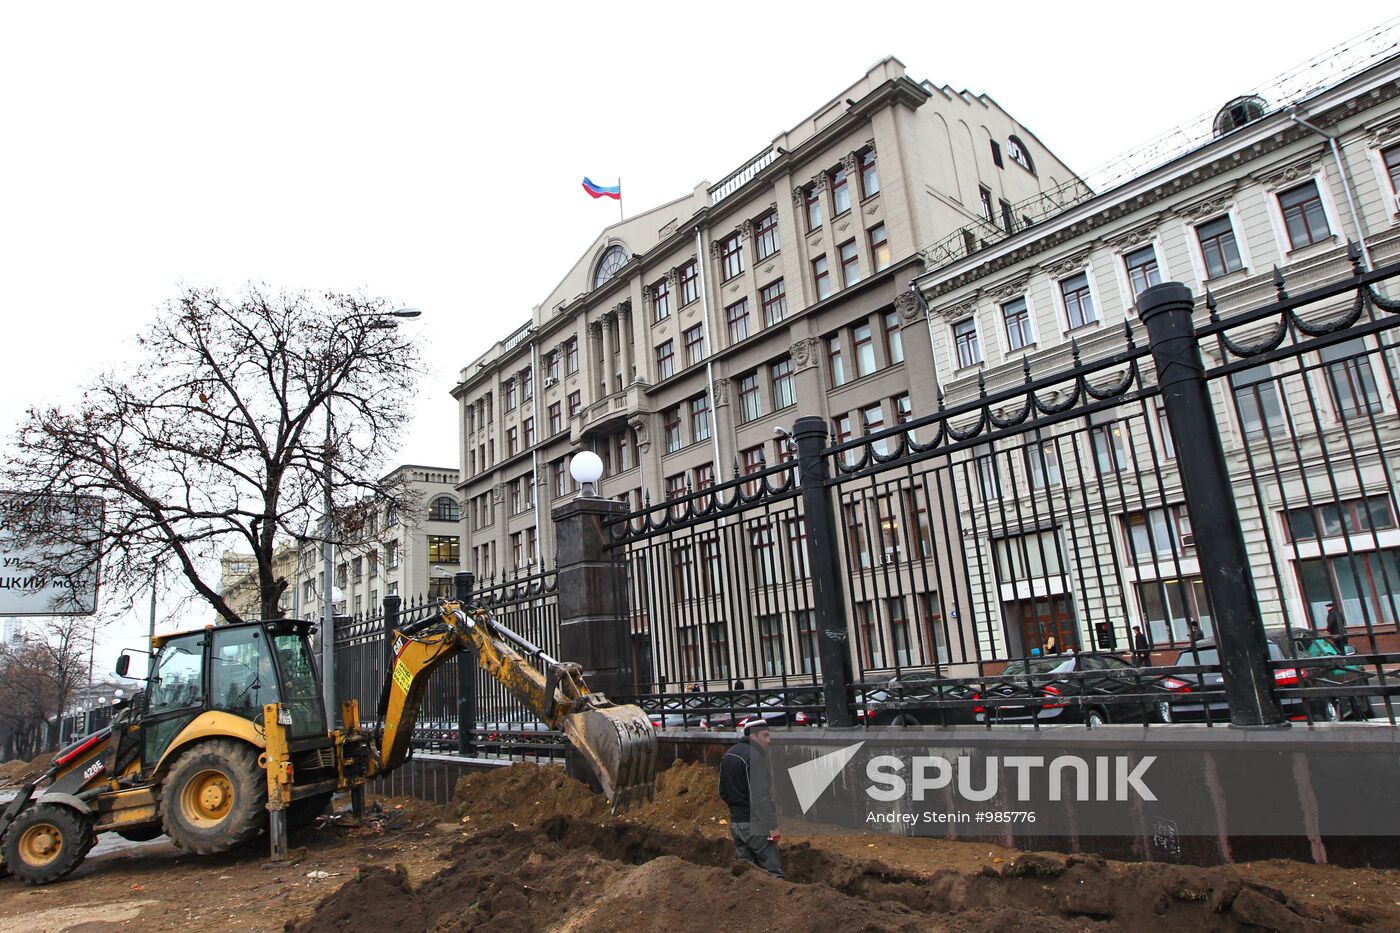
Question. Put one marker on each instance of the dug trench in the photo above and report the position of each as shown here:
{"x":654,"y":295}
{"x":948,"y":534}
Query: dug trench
{"x":541,"y":854}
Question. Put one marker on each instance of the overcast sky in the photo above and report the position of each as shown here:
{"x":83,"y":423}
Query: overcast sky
{"x":432,"y":152}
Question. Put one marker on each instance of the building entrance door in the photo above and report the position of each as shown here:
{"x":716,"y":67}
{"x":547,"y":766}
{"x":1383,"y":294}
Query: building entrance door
{"x":1044,"y":617}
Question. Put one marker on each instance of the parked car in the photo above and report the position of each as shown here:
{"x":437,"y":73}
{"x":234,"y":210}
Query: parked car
{"x":913,"y":700}
{"x":680,"y":714}
{"x":1319,"y":707}
{"x":1307,"y":643}
{"x":1108,"y":691}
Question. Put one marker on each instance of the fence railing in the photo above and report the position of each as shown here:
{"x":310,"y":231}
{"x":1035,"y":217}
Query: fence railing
{"x":1062,"y":548}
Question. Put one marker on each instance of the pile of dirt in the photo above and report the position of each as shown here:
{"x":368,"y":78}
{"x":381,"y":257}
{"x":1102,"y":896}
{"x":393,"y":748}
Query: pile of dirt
{"x":17,"y":771}
{"x":686,"y":795}
{"x":581,"y":874}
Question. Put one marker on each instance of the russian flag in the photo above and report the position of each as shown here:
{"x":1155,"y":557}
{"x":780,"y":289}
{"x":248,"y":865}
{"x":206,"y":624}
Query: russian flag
{"x":603,"y":191}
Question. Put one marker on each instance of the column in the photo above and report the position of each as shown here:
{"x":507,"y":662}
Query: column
{"x":609,"y":322}
{"x":628,"y":337}
{"x":593,"y":595}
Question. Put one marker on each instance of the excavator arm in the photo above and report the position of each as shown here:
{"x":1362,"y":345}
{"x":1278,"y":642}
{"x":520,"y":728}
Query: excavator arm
{"x":617,"y":741}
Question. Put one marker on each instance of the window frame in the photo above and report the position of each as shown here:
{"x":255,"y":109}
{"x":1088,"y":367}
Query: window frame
{"x":1028,"y":321}
{"x":660,"y":301}
{"x":1199,"y":254}
{"x":812,"y":206}
{"x":879,"y":248}
{"x":868,"y":166}
{"x":840,"y":181}
{"x":765,"y":231}
{"x":975,"y":357}
{"x":736,"y":318}
{"x":672,"y":432}
{"x":821,"y":277}
{"x":1152,"y":267}
{"x":1281,"y":214}
{"x":688,"y":277}
{"x":783,"y":384}
{"x":767,"y":301}
{"x":731,"y":256}
{"x":698,"y":410}
{"x":691,"y":357}
{"x":749,"y":397}
{"x":665,"y":360}
{"x":850,"y":264}
{"x":1094,"y":304}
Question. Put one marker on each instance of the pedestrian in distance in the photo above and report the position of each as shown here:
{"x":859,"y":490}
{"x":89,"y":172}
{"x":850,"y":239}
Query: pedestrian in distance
{"x":1051,"y":645}
{"x":1142,"y":651}
{"x":745,"y":780}
{"x":1194,"y":631}
{"x":694,"y":688}
{"x":1337,"y":628}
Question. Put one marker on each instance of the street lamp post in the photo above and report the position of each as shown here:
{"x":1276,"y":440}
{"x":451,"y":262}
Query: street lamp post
{"x":328,"y":548}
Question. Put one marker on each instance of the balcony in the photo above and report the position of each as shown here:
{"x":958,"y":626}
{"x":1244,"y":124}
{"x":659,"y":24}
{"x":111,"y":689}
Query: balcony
{"x":609,"y":413}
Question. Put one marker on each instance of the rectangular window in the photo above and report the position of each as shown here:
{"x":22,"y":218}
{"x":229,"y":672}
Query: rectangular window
{"x":798,"y":560}
{"x":700,"y":418}
{"x":1351,"y":379}
{"x":850,"y":263}
{"x":765,"y":235}
{"x":731,"y":256}
{"x":675,"y":488}
{"x":879,"y":247}
{"x":811,"y":198}
{"x":774,"y":298}
{"x":1044,"y":462}
{"x":1257,"y":401}
{"x":1330,"y":519}
{"x":1391,"y":158}
{"x":1017,"y":317}
{"x":556,"y":418}
{"x":560,"y":474}
{"x":871,"y":648}
{"x":765,"y":556}
{"x":666,"y":360}
{"x":737,"y":315}
{"x":752,"y":461}
{"x":984,"y":196}
{"x":903,"y":412}
{"x":1142,"y":270}
{"x":840,"y":192}
{"x":527,"y":384}
{"x":444,"y":549}
{"x":694,"y":344}
{"x":1218,"y":247}
{"x":1168,"y":442}
{"x":551,"y":365}
{"x":1169,"y":605}
{"x":1008,"y":219}
{"x":704,"y":479}
{"x":717,"y":636}
{"x":965,"y":339}
{"x":897,"y":616}
{"x":690,"y":282}
{"x":770,"y":636}
{"x":894,"y":338}
{"x":1159,"y":534}
{"x":872,"y":419}
{"x":510,"y":391}
{"x":517,"y":550}
{"x":996,"y":154}
{"x":575,"y":403}
{"x":864,"y":346}
{"x":512,"y":441}
{"x":821,"y":277}
{"x":661,"y":301}
{"x":841,"y":433}
{"x":836,"y":365}
{"x":807,"y":641}
{"x":869,"y":177}
{"x":784,"y":387}
{"x":1079,"y":302}
{"x":1303,"y":215}
{"x":672,"y":429}
{"x":571,"y":355}
{"x":1110,"y":446}
{"x":528,"y":430}
{"x":750,"y":405}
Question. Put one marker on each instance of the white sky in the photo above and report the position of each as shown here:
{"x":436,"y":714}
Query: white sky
{"x":432,"y":152}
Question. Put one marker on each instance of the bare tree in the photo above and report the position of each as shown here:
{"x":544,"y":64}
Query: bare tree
{"x":217,"y":438}
{"x":38,"y":678}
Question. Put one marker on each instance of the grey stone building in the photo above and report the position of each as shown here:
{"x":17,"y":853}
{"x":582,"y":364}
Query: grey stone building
{"x":684,"y":337}
{"x":1307,"y":445}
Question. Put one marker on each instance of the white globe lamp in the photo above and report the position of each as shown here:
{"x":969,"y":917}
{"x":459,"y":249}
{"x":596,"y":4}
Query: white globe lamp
{"x":586,"y":468}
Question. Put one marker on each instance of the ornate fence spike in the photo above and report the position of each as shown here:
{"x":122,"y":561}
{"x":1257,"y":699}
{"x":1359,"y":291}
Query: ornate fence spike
{"x":1128,"y":334}
{"x":941,"y":405}
{"x":981,"y":384}
{"x":1279,"y":285}
{"x":1025,"y":367}
{"x":1212,"y":306}
{"x":1354,"y":254}
{"x":1074,"y":350}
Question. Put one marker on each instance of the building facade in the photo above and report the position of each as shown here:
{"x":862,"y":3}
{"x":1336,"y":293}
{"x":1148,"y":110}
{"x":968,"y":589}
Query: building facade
{"x":1310,"y":441}
{"x":685,"y":339}
{"x":238,"y":582}
{"x":386,"y":551}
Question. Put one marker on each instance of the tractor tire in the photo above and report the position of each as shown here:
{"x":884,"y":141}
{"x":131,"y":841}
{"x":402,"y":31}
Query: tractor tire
{"x":214,"y":798}
{"x":303,"y":813}
{"x":144,"y":834}
{"x":46,"y":842}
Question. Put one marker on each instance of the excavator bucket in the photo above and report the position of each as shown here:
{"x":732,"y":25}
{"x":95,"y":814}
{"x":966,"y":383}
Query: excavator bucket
{"x":619,"y":745}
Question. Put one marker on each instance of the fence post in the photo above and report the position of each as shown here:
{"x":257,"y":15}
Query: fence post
{"x":592,"y":582}
{"x":391,"y":624}
{"x":462,"y":582}
{"x":825,"y":564}
{"x":1239,"y":629}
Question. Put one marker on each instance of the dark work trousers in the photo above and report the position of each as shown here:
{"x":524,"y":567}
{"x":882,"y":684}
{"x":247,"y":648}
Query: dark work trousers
{"x":751,"y":843}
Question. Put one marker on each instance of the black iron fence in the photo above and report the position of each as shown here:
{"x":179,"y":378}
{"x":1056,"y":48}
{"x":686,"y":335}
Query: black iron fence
{"x":1096,"y":543}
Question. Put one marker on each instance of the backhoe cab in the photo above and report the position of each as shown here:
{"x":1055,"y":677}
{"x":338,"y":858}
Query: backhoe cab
{"x":230,"y":738}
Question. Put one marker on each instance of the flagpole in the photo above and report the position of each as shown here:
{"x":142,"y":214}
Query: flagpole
{"x":619,"y":199}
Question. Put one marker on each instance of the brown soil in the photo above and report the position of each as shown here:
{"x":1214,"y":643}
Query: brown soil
{"x":16,"y":771}
{"x":544,"y":856}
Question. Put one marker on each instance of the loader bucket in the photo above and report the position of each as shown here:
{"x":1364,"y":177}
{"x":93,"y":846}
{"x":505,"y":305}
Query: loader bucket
{"x":619,"y":745}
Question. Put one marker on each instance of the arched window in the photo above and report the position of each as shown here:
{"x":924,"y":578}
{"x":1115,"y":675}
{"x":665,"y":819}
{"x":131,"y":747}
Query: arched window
{"x":1020,"y":154}
{"x":612,"y":260}
{"x":444,"y":509}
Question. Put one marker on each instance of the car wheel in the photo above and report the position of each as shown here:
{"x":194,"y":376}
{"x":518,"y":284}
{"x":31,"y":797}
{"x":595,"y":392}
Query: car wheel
{"x":904,"y":719}
{"x":1095,"y":718}
{"x":1332,"y":711}
{"x":1164,"y":712}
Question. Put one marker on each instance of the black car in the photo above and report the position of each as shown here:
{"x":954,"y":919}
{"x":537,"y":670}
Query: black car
{"x":918,"y":699}
{"x":1091,"y":688}
{"x":1320,"y":708}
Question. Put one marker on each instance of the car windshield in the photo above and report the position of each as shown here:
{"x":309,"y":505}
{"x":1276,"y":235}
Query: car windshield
{"x":1048,"y":665}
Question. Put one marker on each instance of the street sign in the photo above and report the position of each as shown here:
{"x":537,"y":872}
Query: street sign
{"x":56,"y":575}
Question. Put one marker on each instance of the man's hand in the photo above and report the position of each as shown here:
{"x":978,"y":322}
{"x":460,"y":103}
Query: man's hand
{"x":774,"y":836}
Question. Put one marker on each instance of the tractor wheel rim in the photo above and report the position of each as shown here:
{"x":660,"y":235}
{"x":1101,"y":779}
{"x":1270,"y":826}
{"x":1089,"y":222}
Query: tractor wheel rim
{"x":207,"y":798}
{"x":41,"y":844}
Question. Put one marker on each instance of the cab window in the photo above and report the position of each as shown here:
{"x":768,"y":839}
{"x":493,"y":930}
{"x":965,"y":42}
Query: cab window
{"x":177,"y":681}
{"x":241,"y":676}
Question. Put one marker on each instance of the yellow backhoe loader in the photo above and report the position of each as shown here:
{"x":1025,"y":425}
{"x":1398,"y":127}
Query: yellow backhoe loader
{"x":230,"y":738}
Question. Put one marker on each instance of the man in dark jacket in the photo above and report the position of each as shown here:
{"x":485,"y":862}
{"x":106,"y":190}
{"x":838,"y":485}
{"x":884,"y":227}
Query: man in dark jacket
{"x":744,"y":782}
{"x":1336,"y":628}
{"x":1142,"y":651}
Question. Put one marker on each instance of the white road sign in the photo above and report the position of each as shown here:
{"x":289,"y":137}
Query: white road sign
{"x":40,"y":580}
